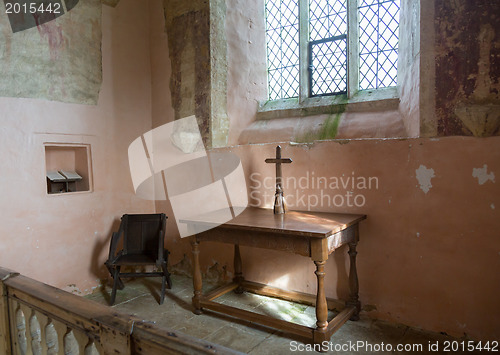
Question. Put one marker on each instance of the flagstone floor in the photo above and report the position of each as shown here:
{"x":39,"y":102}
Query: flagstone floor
{"x":140,"y":298}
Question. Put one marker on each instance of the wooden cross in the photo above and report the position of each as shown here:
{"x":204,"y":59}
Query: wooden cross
{"x":278,"y":161}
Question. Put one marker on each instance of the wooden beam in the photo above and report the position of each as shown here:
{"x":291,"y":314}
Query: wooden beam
{"x":263,"y":319}
{"x":339,"y":320}
{"x":140,"y":274}
{"x":220,"y":291}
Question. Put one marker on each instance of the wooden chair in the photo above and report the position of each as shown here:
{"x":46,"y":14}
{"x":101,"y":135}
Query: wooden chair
{"x":143,"y":236}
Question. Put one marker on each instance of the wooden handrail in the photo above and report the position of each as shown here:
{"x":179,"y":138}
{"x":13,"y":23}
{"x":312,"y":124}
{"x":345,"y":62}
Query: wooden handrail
{"x":36,"y":318}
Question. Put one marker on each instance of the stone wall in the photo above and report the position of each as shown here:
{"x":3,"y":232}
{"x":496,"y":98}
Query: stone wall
{"x":467,"y":67}
{"x":197,"y":50}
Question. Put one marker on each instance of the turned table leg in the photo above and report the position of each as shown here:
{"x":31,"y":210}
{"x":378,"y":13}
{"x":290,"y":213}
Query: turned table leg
{"x":196,"y":277}
{"x":238,"y":274}
{"x":353,"y":281}
{"x":321,"y":305}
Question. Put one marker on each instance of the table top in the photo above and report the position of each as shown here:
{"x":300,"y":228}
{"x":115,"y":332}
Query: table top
{"x":298,"y":223}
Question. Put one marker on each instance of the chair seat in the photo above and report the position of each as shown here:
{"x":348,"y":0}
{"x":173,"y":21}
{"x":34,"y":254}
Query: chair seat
{"x":135,"y":259}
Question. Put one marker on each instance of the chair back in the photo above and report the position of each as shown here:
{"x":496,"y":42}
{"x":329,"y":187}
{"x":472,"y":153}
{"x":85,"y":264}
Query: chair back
{"x":142,"y":233}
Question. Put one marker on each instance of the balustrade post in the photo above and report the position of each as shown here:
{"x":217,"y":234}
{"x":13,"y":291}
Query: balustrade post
{"x":5,"y":335}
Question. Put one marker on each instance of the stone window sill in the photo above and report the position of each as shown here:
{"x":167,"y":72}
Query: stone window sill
{"x":385,"y":99}
{"x":368,"y":114}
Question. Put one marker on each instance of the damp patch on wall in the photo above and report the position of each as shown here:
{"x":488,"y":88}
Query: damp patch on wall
{"x":68,"y":168}
{"x":59,"y":60}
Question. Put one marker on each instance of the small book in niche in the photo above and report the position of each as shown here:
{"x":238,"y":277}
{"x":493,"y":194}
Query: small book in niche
{"x":62,"y":181}
{"x":55,"y":176}
{"x":70,"y":175}
{"x":63,"y":175}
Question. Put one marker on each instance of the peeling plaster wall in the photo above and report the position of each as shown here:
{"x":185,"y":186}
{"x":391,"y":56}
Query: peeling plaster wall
{"x":467,"y":67}
{"x":63,"y":240}
{"x":58,"y":60}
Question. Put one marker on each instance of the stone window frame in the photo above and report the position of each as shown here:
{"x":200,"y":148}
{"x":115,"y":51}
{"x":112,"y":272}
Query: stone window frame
{"x":355,"y":100}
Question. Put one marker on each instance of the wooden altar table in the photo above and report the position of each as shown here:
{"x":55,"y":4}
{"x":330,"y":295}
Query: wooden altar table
{"x":311,"y":234}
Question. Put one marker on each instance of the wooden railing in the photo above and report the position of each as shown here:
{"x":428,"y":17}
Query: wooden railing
{"x":36,"y":319}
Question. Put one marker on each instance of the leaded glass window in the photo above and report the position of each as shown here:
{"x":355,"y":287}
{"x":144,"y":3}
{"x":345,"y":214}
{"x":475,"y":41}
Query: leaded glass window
{"x":378,"y":40}
{"x":350,"y":45}
{"x":282,"y":17}
{"x":328,"y":47}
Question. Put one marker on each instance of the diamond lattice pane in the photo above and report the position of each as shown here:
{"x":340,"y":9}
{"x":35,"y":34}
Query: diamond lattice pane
{"x":282,"y":34}
{"x":378,"y":43}
{"x":329,"y":67}
{"x":327,"y":18}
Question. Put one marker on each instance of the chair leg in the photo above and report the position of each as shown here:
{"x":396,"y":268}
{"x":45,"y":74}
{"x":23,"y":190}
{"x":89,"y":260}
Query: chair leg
{"x":116,"y":281}
{"x":165,"y":278}
{"x":162,"y":296}
{"x":121,"y":286}
{"x":165,"y":269}
{"x":167,"y":275}
{"x":169,"y":281}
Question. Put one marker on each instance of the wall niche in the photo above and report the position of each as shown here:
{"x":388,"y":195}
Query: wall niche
{"x":68,"y":168}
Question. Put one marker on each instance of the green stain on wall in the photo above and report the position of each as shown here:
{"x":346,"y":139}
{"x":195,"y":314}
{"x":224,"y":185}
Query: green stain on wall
{"x":329,"y":128}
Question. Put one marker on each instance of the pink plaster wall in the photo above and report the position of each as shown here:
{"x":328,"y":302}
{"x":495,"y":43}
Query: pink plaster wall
{"x":163,"y":112}
{"x":63,"y":240}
